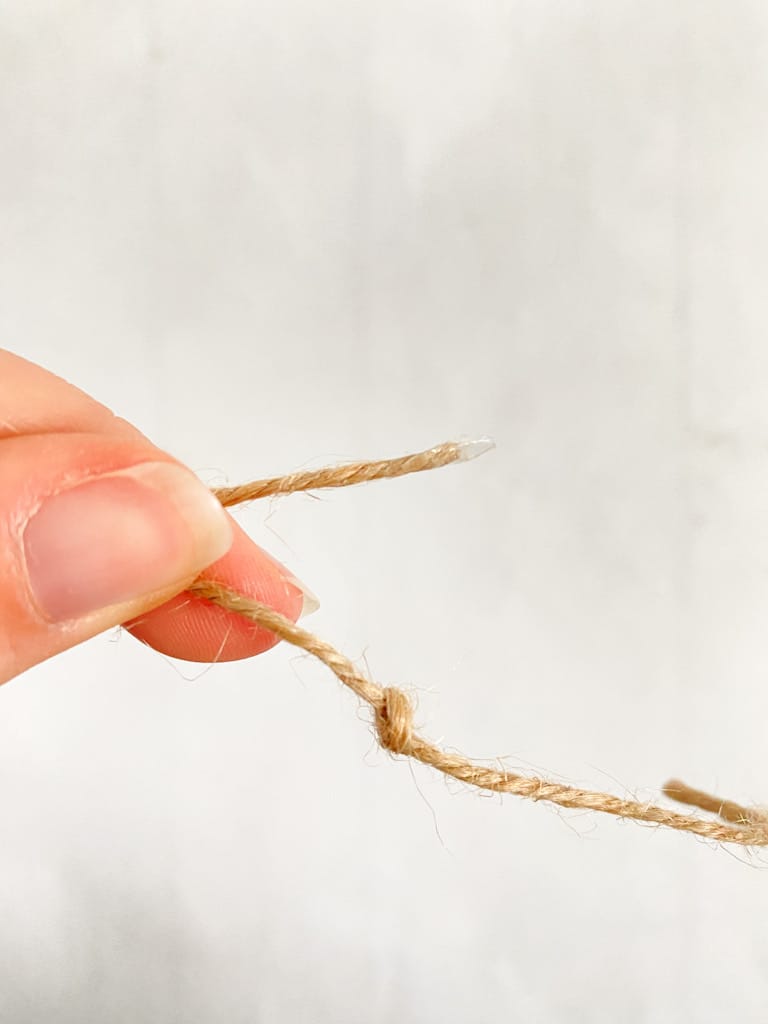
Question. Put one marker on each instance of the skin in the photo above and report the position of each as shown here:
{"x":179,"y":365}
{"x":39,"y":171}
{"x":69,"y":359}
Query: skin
{"x":51,"y":433}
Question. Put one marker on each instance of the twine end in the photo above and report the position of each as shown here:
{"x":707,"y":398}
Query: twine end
{"x":473,"y":449}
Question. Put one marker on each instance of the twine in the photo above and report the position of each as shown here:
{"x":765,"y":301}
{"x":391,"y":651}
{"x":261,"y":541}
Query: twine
{"x":393,"y":711}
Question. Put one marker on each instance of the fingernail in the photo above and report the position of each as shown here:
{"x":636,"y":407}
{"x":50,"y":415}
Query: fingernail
{"x":119,"y":537}
{"x":310,"y":603}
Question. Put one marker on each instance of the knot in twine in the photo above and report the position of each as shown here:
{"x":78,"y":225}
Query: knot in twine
{"x":392,"y":710}
{"x":393,"y":718}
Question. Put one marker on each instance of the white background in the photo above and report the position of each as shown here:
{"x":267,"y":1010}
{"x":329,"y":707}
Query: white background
{"x":282,"y":233}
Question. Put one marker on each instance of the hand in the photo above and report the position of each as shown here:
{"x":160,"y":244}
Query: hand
{"x":99,"y":527}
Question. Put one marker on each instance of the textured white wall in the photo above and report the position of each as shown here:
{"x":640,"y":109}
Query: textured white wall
{"x":274,"y":231}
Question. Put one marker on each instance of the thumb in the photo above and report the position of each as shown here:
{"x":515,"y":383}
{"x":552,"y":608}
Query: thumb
{"x":94,"y":530}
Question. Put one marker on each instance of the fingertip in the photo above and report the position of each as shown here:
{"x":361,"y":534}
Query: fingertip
{"x":193,"y":629}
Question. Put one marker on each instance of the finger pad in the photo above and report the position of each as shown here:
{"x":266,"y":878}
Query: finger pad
{"x":192,"y":629}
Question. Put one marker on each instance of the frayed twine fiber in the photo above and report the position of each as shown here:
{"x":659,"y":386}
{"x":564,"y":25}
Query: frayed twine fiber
{"x":392,"y":709}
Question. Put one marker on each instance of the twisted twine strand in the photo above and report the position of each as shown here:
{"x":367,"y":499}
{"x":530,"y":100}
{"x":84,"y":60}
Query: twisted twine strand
{"x":393,"y":711}
{"x":343,"y":476}
{"x":393,"y":719}
{"x":725,"y":809}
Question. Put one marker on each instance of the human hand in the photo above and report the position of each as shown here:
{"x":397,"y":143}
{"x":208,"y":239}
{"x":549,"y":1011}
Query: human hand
{"x":99,"y":527}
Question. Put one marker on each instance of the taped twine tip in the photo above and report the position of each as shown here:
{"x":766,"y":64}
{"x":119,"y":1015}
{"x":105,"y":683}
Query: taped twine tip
{"x":394,"y":721}
{"x":473,"y":449}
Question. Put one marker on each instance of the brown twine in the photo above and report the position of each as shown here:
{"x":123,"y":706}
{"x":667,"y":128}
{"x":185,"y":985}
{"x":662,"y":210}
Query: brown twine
{"x":393,"y":711}
{"x":725,"y":809}
{"x":354,"y":472}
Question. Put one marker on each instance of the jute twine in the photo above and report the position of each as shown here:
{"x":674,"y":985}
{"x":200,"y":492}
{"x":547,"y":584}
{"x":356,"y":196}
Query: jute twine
{"x":393,"y":711}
